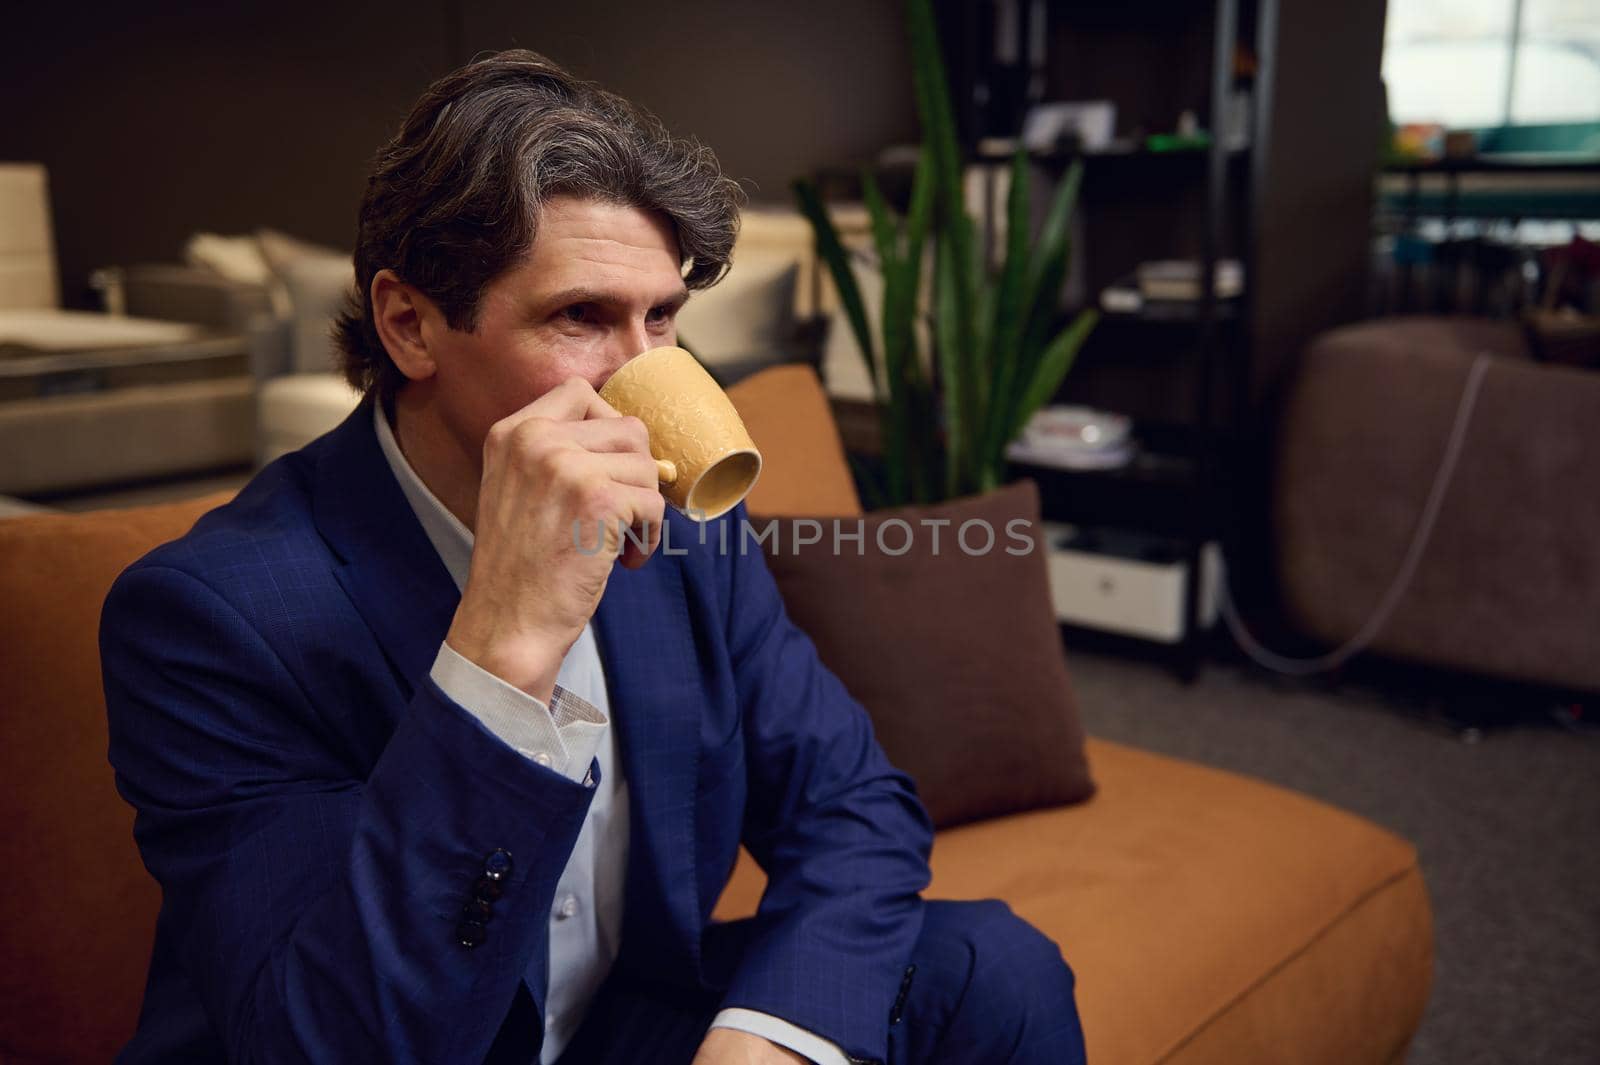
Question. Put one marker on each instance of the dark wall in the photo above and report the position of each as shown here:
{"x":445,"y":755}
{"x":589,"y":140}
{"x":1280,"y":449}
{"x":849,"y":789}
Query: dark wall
{"x":160,"y":120}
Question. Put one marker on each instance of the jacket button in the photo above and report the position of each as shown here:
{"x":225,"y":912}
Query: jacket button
{"x":498,"y":865}
{"x":471,"y":933}
{"x":488,"y":889}
{"x":477,"y":910}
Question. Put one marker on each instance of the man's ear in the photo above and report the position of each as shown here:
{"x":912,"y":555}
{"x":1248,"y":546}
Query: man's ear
{"x":397,"y":312}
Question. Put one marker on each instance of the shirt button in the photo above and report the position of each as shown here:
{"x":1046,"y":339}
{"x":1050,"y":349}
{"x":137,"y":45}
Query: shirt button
{"x":567,"y":907}
{"x":497,"y":866}
{"x":542,"y":758}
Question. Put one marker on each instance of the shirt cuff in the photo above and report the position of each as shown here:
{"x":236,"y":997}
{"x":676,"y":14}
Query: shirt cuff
{"x":562,"y":736}
{"x":781,"y":1032}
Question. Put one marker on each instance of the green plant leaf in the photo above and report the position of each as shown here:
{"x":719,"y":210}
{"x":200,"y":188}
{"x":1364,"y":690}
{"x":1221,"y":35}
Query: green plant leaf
{"x":939,"y":133}
{"x":895,"y":323}
{"x":1010,"y":313}
{"x":837,"y":259}
{"x":897,"y":309}
{"x":1052,"y":370}
{"x":921,"y":209}
{"x":947,"y":345}
{"x":1055,"y":238}
{"x":1044,"y":285}
{"x":884,"y":226}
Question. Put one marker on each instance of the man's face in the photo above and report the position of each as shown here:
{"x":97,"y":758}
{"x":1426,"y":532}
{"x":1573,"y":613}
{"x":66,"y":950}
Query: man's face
{"x":600,"y":285}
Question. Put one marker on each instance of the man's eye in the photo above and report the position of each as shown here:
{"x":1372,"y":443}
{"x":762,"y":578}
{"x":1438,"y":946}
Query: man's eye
{"x":659,"y":314}
{"x":578,"y":312}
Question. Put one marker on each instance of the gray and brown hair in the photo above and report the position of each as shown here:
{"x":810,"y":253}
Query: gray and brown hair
{"x":453,"y":200}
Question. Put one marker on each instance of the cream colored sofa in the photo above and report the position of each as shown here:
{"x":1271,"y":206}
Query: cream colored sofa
{"x":88,"y":399}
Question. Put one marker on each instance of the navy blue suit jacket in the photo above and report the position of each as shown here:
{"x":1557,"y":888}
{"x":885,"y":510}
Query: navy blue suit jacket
{"x":316,"y":810}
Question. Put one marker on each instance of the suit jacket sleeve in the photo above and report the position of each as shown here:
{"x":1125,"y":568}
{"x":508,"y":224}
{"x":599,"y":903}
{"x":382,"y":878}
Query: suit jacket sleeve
{"x":839,"y":831}
{"x":318,"y":898}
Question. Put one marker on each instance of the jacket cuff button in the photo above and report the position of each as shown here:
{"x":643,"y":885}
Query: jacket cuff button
{"x":488,"y":889}
{"x":498,"y":865}
{"x":477,"y":911}
{"x":471,"y":934}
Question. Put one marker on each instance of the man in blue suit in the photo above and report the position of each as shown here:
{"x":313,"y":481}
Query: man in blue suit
{"x":424,"y":780}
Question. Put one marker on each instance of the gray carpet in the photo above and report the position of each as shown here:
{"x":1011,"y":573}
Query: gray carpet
{"x":1507,"y":828}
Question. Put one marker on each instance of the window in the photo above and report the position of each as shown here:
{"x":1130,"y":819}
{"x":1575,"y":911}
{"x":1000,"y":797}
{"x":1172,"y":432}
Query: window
{"x":1476,"y":63}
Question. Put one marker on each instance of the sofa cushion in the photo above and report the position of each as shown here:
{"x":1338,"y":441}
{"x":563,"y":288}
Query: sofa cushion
{"x":1209,"y":917}
{"x":295,"y":409}
{"x":951,"y":646}
{"x":234,"y":258}
{"x":316,"y":281}
{"x":746,"y":321}
{"x":803,"y":467}
{"x":77,"y":909}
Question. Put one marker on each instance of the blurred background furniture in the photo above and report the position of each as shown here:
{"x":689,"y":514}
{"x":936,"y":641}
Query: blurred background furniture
{"x":89,"y":398}
{"x":228,"y":357}
{"x":1210,"y":918}
{"x":1510,"y":583}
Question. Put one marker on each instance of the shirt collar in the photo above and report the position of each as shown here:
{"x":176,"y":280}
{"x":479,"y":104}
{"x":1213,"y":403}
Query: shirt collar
{"x":449,"y":537}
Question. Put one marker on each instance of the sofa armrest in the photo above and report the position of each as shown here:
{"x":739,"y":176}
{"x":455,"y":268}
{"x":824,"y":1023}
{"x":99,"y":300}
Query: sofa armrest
{"x":176,"y":293}
{"x":1510,"y":579}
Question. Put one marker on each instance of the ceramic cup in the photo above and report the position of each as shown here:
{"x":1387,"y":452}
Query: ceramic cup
{"x":704,"y":455}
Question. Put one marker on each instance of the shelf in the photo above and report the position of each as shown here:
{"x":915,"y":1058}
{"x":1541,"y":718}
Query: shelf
{"x":1503,"y":163}
{"x":1163,"y":490}
{"x":1132,"y":157}
{"x":1170,"y":312}
{"x":1154,"y":468}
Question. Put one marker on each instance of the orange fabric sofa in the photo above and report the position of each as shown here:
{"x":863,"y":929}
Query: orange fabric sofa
{"x":1210,"y":918}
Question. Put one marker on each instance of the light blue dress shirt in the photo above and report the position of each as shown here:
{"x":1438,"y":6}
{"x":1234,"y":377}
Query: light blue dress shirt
{"x":565,"y":736}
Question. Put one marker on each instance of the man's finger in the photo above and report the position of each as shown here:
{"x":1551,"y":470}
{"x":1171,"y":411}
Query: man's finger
{"x":572,"y":400}
{"x":629,"y":468}
{"x":614,"y":435}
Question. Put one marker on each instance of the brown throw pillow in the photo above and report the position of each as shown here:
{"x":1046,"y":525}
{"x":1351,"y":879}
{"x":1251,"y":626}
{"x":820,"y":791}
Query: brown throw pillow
{"x":948,"y":639}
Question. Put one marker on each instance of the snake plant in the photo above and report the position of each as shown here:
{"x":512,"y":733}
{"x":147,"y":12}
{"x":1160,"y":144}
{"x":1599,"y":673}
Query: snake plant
{"x":997,"y":352}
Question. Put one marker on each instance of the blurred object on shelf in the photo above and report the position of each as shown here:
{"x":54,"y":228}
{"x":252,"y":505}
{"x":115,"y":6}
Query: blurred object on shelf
{"x":1558,"y":329}
{"x":1188,"y":137}
{"x":1572,"y":272}
{"x":1564,"y":336}
{"x":1075,"y":438}
{"x":1086,"y":125}
{"x":1179,"y":279}
{"x":1122,"y":297}
{"x":1419,"y":140}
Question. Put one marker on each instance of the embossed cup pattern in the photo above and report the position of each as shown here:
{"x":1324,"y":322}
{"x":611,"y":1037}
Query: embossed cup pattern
{"x":708,"y":461}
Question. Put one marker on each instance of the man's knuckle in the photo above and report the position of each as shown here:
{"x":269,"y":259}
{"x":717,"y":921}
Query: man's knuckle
{"x":636,"y":429}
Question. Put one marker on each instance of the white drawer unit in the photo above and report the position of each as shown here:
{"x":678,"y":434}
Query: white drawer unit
{"x":1125,"y":583}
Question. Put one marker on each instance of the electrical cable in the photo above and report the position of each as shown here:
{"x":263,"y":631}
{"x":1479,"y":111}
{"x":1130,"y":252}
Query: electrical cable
{"x":1304,"y":667}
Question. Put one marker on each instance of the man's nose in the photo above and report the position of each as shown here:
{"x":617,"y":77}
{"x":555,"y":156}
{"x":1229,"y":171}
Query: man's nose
{"x":632,"y":340}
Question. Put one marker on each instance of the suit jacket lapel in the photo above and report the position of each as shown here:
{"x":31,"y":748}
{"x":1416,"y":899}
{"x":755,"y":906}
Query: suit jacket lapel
{"x":389,"y":568}
{"x":647,"y":649}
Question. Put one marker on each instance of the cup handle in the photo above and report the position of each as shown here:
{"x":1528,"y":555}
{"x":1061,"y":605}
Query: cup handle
{"x":666,"y":471}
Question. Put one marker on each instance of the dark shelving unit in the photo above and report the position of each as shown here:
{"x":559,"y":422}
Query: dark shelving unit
{"x":1178,"y":368}
{"x":1198,"y":378}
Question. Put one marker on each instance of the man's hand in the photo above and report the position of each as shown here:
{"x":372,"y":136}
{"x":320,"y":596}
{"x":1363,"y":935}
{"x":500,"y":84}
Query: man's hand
{"x":566,"y":463}
{"x":730,"y":1046}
